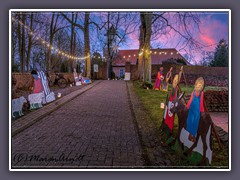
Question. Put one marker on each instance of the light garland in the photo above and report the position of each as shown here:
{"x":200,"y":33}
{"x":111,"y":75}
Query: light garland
{"x":154,"y":52}
{"x":45,"y":43}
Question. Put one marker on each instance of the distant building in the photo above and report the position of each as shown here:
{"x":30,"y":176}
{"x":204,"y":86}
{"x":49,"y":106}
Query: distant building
{"x":158,"y":56}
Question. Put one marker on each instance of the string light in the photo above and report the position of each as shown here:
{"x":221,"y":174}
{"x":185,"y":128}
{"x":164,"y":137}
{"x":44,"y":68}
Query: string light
{"x":48,"y":44}
{"x":141,"y":53}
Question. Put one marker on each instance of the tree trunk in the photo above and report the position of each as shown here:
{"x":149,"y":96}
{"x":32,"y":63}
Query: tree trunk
{"x":72,"y":43}
{"x":140,"y":57}
{"x":29,"y":44}
{"x":87,"y":45}
{"x":14,"y":44}
{"x":146,"y":25}
{"x":51,"y":36}
{"x":21,"y":35}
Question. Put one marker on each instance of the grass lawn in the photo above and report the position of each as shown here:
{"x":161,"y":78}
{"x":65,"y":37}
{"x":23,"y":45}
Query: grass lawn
{"x":151,"y":101}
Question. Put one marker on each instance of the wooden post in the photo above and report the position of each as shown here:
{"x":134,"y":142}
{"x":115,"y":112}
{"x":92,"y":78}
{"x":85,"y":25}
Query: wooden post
{"x":184,"y":78}
{"x":181,"y":92}
{"x":214,"y":130}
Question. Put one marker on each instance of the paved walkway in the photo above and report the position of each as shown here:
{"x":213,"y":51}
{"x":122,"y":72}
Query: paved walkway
{"x":94,"y":129}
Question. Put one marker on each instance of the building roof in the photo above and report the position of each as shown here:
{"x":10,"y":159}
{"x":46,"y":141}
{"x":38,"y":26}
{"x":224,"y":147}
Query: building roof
{"x":157,"y":56}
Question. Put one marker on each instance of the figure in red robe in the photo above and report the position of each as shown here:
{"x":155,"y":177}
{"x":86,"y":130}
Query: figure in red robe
{"x":168,"y":116}
{"x":37,"y":87}
{"x":159,"y":79}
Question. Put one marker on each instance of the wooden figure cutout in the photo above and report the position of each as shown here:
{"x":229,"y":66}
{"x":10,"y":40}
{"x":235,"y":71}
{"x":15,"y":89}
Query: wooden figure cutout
{"x":159,"y":79}
{"x":37,"y":87}
{"x":48,"y":95}
{"x":35,"y":100}
{"x":17,"y":105}
{"x":76,"y":78}
{"x":166,"y":80}
{"x":168,"y":115}
{"x":195,"y":105}
{"x":203,"y":141}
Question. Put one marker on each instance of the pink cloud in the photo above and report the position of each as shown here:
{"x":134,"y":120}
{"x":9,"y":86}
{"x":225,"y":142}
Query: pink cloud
{"x":207,"y":39}
{"x":212,"y":29}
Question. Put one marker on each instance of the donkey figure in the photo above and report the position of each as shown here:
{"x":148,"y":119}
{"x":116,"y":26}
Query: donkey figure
{"x":204,"y":131}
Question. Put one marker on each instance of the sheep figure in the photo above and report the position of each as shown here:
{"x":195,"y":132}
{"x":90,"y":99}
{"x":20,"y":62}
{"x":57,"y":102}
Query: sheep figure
{"x":35,"y":100}
{"x":17,"y":105}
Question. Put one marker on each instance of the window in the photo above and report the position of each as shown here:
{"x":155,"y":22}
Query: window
{"x":120,"y":72}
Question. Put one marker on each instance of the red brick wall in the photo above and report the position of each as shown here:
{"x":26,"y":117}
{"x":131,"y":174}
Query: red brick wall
{"x":215,"y":76}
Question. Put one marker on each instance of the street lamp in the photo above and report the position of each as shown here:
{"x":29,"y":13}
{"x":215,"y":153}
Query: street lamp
{"x":111,"y":33}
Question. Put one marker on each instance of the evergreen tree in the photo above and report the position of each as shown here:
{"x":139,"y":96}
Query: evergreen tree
{"x":221,"y":54}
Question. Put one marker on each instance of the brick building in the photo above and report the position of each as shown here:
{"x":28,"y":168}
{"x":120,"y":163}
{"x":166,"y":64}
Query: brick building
{"x":131,"y":56}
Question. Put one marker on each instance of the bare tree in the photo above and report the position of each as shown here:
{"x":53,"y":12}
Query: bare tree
{"x":85,"y":30}
{"x":158,"y":24}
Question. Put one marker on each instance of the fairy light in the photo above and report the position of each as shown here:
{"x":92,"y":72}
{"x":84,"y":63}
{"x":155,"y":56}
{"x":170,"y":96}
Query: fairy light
{"x":31,"y":33}
{"x":153,"y":52}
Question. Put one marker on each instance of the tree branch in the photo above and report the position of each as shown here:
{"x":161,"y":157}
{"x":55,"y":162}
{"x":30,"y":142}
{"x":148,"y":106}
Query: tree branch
{"x":73,"y":23}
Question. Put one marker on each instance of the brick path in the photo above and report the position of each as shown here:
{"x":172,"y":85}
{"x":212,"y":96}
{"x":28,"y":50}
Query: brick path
{"x":31,"y":117}
{"x":96,"y":129}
